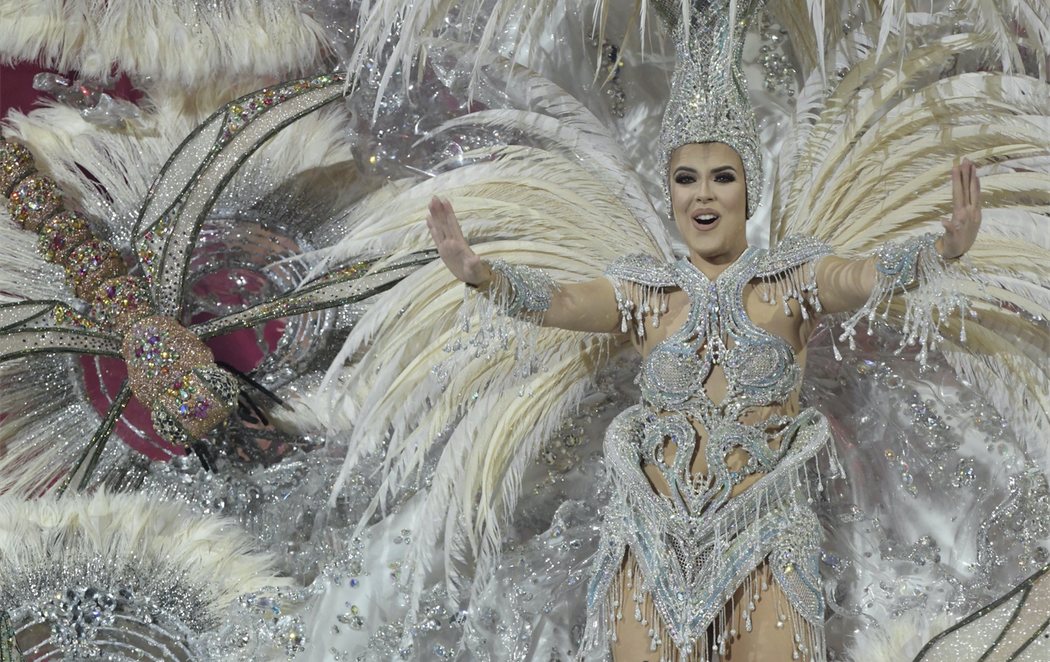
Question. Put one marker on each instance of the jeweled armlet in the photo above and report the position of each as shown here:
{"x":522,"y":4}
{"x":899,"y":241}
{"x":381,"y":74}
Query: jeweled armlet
{"x":928,"y":286}
{"x":520,"y":291}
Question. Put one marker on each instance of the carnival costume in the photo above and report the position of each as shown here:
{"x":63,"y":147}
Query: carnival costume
{"x":438,"y":406}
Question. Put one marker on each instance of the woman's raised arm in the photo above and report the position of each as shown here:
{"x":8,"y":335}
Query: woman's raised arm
{"x":589,"y":306}
{"x":847,"y":284}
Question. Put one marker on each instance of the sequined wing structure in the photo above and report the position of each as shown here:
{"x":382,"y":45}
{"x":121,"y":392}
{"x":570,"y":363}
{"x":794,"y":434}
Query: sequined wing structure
{"x":1013,"y":627}
{"x":445,"y":392}
{"x":45,"y":328}
{"x":868,"y":161}
{"x":209,"y":181}
{"x":130,"y":577}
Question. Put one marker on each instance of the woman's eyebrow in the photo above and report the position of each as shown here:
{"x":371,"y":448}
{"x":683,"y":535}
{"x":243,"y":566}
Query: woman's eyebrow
{"x":692,"y":170}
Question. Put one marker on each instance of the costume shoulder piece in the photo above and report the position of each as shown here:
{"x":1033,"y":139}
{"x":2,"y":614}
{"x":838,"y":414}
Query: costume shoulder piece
{"x":639,"y":281}
{"x":643,"y":269}
{"x":789,"y":268}
{"x":791,"y":252}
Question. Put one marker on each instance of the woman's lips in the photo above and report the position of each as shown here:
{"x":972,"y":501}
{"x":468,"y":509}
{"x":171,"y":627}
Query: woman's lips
{"x":705,"y":220}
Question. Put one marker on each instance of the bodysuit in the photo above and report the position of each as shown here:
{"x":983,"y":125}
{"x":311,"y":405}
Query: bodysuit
{"x":696,"y":545}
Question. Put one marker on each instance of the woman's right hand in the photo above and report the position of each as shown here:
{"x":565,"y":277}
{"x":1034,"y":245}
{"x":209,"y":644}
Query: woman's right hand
{"x":454,"y":250}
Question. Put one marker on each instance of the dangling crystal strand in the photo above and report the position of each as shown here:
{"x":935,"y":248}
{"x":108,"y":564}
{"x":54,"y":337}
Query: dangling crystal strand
{"x":780,"y":600}
{"x":623,"y":304}
{"x":797,"y":631}
{"x":657,"y":633}
{"x":934,"y":298}
{"x":833,"y":456}
{"x":812,"y":289}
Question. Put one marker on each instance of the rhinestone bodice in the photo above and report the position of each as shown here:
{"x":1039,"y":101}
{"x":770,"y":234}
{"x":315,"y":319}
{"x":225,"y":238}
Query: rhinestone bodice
{"x":693,"y":541}
{"x":760,"y":368}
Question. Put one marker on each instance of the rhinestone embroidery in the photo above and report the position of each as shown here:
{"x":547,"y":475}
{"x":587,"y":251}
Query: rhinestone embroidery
{"x":695,"y":545}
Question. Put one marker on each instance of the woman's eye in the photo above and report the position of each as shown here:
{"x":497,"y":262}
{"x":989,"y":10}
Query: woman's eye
{"x":684,"y":179}
{"x":725,"y":178}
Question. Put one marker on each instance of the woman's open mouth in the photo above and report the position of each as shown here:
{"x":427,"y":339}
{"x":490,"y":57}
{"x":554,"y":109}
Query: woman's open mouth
{"x":705,"y":219}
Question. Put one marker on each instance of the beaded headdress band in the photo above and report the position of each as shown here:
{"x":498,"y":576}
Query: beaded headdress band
{"x":709,"y":101}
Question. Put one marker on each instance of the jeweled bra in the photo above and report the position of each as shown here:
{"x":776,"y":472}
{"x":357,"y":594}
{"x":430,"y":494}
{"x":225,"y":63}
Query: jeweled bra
{"x":694,"y":544}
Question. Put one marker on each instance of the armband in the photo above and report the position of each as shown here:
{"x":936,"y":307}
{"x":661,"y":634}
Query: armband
{"x":913,"y":269}
{"x":898,"y":262}
{"x":520,"y":291}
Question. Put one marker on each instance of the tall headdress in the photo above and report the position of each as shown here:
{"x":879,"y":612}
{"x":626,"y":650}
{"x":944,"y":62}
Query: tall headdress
{"x":709,"y":101}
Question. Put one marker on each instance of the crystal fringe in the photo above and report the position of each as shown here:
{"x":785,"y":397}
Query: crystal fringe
{"x":934,"y":297}
{"x":635,"y":302}
{"x":719,"y":637}
{"x":627,"y":598}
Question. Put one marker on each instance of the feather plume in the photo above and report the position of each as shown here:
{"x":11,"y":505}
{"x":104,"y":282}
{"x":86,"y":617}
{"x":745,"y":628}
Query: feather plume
{"x":125,"y":556}
{"x":173,"y":44}
{"x":420,"y":398}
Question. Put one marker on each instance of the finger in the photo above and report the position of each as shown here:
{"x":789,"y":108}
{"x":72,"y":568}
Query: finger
{"x":437,"y":227}
{"x":434,"y":211}
{"x":971,"y":172}
{"x":956,"y":187}
{"x":975,"y":190}
{"x":455,"y":229}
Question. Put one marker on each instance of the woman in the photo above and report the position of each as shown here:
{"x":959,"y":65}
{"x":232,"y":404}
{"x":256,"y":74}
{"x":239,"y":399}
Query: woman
{"x":744,"y":396}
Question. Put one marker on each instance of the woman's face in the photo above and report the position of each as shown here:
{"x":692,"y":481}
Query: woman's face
{"x":709,"y":198}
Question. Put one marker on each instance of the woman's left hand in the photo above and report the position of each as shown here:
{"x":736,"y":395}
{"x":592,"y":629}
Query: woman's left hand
{"x":960,"y":230}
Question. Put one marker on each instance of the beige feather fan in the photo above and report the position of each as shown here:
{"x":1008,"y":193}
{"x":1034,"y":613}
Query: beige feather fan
{"x":174,"y":44}
{"x":872,"y":163}
{"x":122,"y":574}
{"x":416,"y":386}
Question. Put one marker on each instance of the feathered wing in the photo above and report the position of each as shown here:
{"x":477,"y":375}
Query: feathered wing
{"x":873,"y":165}
{"x":175,"y":45}
{"x":436,"y":391}
{"x":870,"y":163}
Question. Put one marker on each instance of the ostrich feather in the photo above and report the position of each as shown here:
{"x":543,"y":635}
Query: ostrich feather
{"x":476,"y":413}
{"x":108,"y":174}
{"x":126,"y":555}
{"x":123,"y":527}
{"x":172,"y":44}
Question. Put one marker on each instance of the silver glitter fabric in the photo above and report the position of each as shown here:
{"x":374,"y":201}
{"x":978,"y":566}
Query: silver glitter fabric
{"x":709,"y":101}
{"x":1014,"y":627}
{"x":696,"y":545}
{"x":521,"y":290}
{"x":931,"y":293}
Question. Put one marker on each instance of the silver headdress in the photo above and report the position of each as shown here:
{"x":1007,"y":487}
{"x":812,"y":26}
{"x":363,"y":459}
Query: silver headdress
{"x":709,"y":101}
